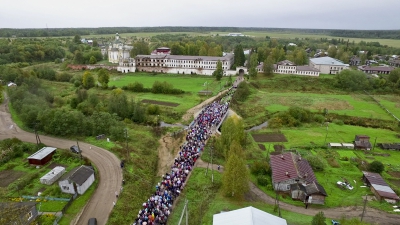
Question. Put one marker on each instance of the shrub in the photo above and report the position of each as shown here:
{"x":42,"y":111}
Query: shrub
{"x":260,"y":168}
{"x":262,"y":180}
{"x":242,"y":92}
{"x":63,"y":77}
{"x":319,"y":118}
{"x":338,"y":122}
{"x":316,"y":162}
{"x":153,"y":110}
{"x":344,"y":158}
{"x":376,"y":167}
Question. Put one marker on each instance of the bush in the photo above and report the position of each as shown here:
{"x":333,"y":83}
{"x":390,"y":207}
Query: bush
{"x":319,"y":118}
{"x":153,"y":110}
{"x":376,"y":167}
{"x":338,"y":122}
{"x":262,"y":180}
{"x":63,"y":77}
{"x":260,"y":168}
{"x":316,"y":162}
{"x":242,"y":92}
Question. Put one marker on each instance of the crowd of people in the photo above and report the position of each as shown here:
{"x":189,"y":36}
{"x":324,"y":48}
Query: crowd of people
{"x":158,"y":207}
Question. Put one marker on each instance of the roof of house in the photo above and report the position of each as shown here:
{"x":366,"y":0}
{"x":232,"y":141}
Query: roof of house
{"x":380,"y":185}
{"x":377,"y":68}
{"x":335,"y":144}
{"x":362,"y":144}
{"x":54,"y":172}
{"x":355,"y":58}
{"x":187,"y":57}
{"x":315,"y":188}
{"x":361,"y":136}
{"x":290,"y":166}
{"x":347,"y":145}
{"x":286,"y":63}
{"x":78,"y":175}
{"x":42,"y":153}
{"x":22,"y":207}
{"x":247,"y":216}
{"x":327,"y":61}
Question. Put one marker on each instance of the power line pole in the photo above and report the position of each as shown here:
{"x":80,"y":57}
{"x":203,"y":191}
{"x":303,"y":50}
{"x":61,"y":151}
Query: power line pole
{"x":327,"y":129}
{"x":79,"y":149}
{"x":373,"y":147}
{"x":365,"y":204}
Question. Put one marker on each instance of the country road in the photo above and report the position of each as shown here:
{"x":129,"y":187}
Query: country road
{"x":101,"y":203}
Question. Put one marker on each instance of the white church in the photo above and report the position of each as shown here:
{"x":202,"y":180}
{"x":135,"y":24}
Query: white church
{"x":118,"y":51}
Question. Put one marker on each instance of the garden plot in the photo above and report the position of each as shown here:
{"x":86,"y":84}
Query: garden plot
{"x":269,"y":137}
{"x":170,"y":104}
{"x":9,"y":176}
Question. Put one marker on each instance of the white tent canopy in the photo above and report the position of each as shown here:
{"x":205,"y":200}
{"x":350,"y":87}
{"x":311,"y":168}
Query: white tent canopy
{"x":247,"y":216}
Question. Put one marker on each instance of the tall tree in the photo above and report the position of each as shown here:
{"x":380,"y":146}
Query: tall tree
{"x":77,"y":39}
{"x":239,"y":55}
{"x":332,"y":51}
{"x":235,"y":177}
{"x":268,"y":66}
{"x":219,"y":72}
{"x":103,"y":77}
{"x":140,"y":48}
{"x":253,"y":64}
{"x":232,"y":129}
{"x":88,"y":80}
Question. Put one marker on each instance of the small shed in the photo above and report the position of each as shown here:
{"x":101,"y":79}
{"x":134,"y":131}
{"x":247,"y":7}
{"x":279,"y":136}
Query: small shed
{"x":247,"y":216}
{"x":379,"y":187}
{"x":23,"y":213}
{"x":389,"y":146}
{"x":42,"y":156}
{"x":78,"y":180}
{"x":334,"y":145}
{"x":53,"y":175}
{"x":362,"y":142}
{"x":348,"y":145}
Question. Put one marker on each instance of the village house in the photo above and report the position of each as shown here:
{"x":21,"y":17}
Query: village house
{"x":328,"y":65}
{"x":355,"y":61}
{"x":380,"y":188}
{"x":42,"y":156}
{"x":161,"y":51}
{"x":294,"y":176}
{"x":288,"y":67}
{"x":376,"y":69}
{"x":394,"y":62}
{"x":21,"y":213}
{"x":362,"y":142}
{"x":78,"y":180}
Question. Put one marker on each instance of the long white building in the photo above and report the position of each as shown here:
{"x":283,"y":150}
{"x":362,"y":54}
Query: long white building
{"x":183,"y":64}
{"x":288,"y":67}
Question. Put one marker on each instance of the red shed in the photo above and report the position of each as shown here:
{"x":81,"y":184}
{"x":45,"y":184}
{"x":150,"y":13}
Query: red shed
{"x":42,"y":156}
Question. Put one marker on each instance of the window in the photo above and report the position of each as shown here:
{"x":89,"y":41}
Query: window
{"x":288,"y":187}
{"x":65,"y":188}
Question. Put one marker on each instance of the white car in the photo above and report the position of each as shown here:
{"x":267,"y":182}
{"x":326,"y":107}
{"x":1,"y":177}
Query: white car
{"x":345,"y":185}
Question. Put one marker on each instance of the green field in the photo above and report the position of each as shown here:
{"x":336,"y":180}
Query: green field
{"x":303,"y":136}
{"x":391,"y":103}
{"x":351,"y":105}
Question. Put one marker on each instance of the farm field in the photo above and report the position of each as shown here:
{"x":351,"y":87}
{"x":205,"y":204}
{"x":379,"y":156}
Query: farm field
{"x":392,"y":103}
{"x":351,"y":105}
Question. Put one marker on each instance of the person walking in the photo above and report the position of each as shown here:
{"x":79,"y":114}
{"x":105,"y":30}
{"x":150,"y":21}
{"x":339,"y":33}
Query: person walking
{"x":116,"y":194}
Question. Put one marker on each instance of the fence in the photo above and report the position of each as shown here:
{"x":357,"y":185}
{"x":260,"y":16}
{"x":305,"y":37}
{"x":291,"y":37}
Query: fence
{"x":383,"y":107}
{"x":70,"y":200}
{"x":47,"y":198}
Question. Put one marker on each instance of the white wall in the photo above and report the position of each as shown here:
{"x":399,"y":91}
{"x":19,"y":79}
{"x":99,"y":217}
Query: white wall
{"x":66,"y":186}
{"x":82,"y":189}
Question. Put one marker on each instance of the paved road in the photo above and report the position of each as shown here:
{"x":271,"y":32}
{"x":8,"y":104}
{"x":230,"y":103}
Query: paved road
{"x":101,"y":203}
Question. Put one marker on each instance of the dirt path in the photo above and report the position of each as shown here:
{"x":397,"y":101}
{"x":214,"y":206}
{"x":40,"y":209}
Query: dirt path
{"x":191,"y":112}
{"x":169,"y":148}
{"x":371,"y":215}
{"x":101,"y":202}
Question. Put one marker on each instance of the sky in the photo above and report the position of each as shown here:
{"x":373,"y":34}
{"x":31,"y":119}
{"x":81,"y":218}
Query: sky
{"x":318,"y":14}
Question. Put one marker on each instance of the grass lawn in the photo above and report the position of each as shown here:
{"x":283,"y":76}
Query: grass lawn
{"x":303,"y":136}
{"x":391,"y":103}
{"x":51,"y":206}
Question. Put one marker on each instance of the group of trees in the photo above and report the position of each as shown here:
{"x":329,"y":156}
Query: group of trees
{"x":30,"y":50}
{"x":353,"y":80}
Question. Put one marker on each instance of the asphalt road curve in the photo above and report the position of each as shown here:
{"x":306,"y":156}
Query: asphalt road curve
{"x":101,"y":202}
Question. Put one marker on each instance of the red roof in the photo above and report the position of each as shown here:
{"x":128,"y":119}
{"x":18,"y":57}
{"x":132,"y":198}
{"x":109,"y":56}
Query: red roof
{"x":290,"y":166}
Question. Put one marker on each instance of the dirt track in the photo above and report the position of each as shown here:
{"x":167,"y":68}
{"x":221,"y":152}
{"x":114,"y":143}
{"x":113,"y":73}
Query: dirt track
{"x":101,"y":203}
{"x":372,"y":215}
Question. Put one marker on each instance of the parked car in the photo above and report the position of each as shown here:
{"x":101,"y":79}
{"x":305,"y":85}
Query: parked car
{"x":334,"y":222}
{"x":345,"y":185}
{"x":92,"y":221}
{"x":75,"y":149}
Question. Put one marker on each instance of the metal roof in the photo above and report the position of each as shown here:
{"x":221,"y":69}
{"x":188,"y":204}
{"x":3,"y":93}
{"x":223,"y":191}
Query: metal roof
{"x":347,"y":145}
{"x":54,"y":172}
{"x":327,"y":61}
{"x":335,"y":144}
{"x":290,"y":166}
{"x":247,"y":216}
{"x":42,"y":153}
{"x":79,"y":174}
{"x":385,"y":191}
{"x":187,"y":57}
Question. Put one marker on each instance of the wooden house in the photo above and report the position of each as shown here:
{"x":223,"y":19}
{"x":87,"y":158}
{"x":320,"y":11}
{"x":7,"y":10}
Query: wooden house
{"x":362,"y":142}
{"x":22,"y":213}
{"x":78,"y":180}
{"x":379,"y":187}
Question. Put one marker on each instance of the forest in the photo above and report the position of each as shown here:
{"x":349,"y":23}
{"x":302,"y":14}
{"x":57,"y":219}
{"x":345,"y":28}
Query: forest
{"x":58,"y":32}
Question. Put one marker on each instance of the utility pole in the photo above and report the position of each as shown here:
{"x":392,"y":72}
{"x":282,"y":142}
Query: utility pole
{"x":37,"y":136}
{"x":327,"y":129}
{"x":373,"y":147}
{"x":365,"y":204}
{"x":79,"y":149}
